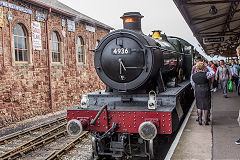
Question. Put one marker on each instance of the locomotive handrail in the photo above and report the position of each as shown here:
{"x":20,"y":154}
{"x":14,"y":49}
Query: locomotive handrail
{"x":152,"y":47}
{"x":114,"y":125}
{"x":97,"y":116}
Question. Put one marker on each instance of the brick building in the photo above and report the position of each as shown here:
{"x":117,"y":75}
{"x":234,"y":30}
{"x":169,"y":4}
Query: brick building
{"x":45,"y":63}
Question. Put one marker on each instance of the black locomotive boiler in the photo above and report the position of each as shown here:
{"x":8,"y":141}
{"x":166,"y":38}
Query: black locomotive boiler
{"x":128,"y":118}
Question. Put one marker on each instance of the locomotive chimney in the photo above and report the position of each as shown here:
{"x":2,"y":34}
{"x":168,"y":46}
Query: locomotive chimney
{"x":132,"y":21}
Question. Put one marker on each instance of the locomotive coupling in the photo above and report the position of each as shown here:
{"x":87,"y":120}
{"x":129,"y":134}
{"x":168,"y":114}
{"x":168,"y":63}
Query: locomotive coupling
{"x":147,"y":130}
{"x":76,"y":127}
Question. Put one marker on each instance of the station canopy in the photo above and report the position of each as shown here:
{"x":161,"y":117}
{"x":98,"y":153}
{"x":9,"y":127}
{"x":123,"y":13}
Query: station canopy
{"x":215,"y":24}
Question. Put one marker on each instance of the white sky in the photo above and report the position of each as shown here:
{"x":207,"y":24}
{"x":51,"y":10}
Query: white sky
{"x":158,"y":15}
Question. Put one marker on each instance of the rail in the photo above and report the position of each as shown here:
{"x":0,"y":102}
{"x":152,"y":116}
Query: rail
{"x":9,"y":137}
{"x":35,"y":143}
{"x":57,"y":155}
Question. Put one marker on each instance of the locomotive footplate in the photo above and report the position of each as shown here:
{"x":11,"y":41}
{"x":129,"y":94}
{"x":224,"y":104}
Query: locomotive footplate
{"x":129,"y":115}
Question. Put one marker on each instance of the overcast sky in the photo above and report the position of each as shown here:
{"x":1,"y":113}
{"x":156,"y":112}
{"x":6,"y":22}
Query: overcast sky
{"x":158,"y":15}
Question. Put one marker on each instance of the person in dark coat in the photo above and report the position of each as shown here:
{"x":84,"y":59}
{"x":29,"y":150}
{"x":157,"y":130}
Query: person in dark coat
{"x":200,"y":81}
{"x":199,"y":59}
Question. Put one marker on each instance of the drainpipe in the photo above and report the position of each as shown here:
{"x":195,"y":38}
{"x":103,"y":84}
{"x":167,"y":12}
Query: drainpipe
{"x":49,"y":60}
{"x":3,"y":48}
{"x":11,"y":47}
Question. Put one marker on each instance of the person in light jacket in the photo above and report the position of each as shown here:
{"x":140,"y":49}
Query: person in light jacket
{"x":223,"y":74}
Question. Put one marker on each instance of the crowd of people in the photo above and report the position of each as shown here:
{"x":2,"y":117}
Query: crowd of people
{"x":206,"y":78}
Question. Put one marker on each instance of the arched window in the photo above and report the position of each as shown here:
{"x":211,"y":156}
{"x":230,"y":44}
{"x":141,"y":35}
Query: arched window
{"x":80,"y":50}
{"x":20,"y":43}
{"x":55,"y":47}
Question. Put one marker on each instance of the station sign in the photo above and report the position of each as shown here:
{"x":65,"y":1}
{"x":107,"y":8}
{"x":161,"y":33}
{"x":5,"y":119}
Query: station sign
{"x":36,"y":36}
{"x":9,"y":16}
{"x":70,"y":25}
{"x":90,"y":28}
{"x":63,"y":22}
{"x":40,"y":16}
{"x":15,"y":7}
{"x":209,"y":40}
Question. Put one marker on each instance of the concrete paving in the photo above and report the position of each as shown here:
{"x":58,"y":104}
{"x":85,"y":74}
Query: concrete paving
{"x":216,"y":141}
{"x":195,"y":142}
{"x":225,"y":127}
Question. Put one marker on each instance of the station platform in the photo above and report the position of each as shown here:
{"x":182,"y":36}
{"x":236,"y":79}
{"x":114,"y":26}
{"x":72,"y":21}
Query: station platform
{"x":216,"y":141}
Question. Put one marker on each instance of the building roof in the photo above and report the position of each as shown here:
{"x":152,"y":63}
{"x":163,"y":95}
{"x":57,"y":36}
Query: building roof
{"x":207,"y":23}
{"x":59,"y":7}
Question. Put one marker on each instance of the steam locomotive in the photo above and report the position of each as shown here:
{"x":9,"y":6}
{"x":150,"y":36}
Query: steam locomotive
{"x":147,"y":92}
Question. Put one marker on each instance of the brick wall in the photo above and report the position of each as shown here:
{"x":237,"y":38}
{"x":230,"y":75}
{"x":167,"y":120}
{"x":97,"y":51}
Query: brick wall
{"x":25,"y":88}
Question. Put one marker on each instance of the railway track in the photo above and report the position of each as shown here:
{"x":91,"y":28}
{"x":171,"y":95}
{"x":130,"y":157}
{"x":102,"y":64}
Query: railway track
{"x":19,"y":134}
{"x":27,"y":144}
{"x":51,"y":148}
{"x":13,"y":144}
{"x":68,"y":147}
